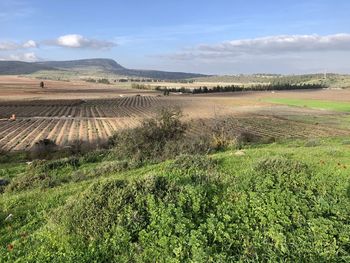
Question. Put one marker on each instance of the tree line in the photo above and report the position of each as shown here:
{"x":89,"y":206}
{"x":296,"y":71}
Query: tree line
{"x":237,"y":88}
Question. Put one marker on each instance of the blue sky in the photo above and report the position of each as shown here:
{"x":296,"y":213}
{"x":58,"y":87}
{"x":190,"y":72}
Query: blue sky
{"x":217,"y":37}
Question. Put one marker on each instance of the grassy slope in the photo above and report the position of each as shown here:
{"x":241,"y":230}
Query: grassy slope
{"x":32,"y":208}
{"x":316,"y":104}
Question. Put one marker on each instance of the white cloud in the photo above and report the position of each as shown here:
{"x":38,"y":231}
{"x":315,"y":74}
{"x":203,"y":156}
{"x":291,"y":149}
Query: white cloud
{"x":27,"y":57}
{"x":78,"y":41}
{"x":30,"y":44}
{"x":9,"y":45}
{"x":275,"y":54}
{"x":270,"y":45}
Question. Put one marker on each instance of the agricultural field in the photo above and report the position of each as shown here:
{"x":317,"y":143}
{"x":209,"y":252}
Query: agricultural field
{"x":67,"y":112}
{"x":316,"y":104}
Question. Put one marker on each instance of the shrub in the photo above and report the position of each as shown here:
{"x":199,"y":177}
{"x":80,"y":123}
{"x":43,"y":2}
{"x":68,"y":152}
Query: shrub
{"x":245,"y":137}
{"x":79,"y":147}
{"x":44,"y":174}
{"x":47,"y":166}
{"x":192,"y":163}
{"x":138,"y":220}
{"x":283,"y":211}
{"x":103,"y":81}
{"x":189,"y":144}
{"x":94,"y":156}
{"x":312,"y":143}
{"x":31,"y":180}
{"x":43,"y":149}
{"x":148,"y":141}
{"x":110,"y":167}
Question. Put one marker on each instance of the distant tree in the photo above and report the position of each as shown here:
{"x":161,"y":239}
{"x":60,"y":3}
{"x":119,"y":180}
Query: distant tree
{"x":42,"y":85}
{"x":103,"y":81}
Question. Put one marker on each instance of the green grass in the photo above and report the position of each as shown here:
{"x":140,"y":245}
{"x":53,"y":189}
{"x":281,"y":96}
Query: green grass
{"x":315,"y":104}
{"x":234,"y":212}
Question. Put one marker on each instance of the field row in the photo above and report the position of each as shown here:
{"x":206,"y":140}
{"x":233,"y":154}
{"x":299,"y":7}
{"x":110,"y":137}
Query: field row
{"x":22,"y":134}
{"x":266,"y":127}
{"x":122,"y":107}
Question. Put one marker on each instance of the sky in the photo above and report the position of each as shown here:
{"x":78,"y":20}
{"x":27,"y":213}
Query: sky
{"x":211,"y":37}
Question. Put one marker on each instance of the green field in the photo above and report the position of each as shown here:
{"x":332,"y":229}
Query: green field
{"x":315,"y":104}
{"x":286,"y":201}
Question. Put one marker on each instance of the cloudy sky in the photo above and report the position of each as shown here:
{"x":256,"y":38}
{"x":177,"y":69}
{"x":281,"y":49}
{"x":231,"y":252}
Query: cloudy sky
{"x":215,"y":37}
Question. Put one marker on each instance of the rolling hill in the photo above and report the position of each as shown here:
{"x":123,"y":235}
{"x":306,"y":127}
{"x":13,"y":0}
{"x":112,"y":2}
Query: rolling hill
{"x":98,"y":65}
{"x":20,"y":67}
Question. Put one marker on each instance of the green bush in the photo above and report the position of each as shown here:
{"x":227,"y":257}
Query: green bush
{"x":191,"y":163}
{"x":148,"y":141}
{"x":313,"y":143}
{"x":94,"y":156}
{"x":103,"y":81}
{"x":44,"y":174}
{"x":103,"y":169}
{"x":47,"y":166}
{"x":31,"y":180}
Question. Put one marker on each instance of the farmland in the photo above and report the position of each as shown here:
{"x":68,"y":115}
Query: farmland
{"x":67,"y":112}
{"x":316,"y":104}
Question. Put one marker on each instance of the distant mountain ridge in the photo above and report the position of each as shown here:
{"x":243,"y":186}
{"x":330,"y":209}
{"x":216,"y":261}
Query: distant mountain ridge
{"x":96,"y":64}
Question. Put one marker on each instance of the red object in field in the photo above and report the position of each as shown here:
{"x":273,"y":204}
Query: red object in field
{"x":13,"y":117}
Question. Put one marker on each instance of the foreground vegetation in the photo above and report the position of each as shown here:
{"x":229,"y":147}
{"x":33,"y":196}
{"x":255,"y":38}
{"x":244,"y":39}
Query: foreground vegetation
{"x":207,"y":201}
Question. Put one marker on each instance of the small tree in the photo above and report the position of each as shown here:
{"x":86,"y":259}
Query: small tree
{"x":42,"y":85}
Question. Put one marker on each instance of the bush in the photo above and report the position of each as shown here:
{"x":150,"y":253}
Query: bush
{"x":148,"y":141}
{"x":44,"y":174}
{"x":192,"y":163}
{"x":103,"y":169}
{"x":47,"y":166}
{"x":189,"y":144}
{"x":43,"y":149}
{"x":312,"y":143}
{"x":245,"y":137}
{"x":144,"y":220}
{"x":94,"y":156}
{"x":285,"y":212}
{"x":103,"y":81}
{"x":30,"y":181}
{"x":79,"y":147}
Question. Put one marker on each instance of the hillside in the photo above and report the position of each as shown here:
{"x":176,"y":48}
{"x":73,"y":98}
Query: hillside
{"x":19,"y":67}
{"x":89,"y":65}
{"x":219,"y":208}
{"x":108,"y":65}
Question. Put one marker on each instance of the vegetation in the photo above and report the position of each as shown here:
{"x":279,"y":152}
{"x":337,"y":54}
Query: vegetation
{"x":316,"y":104}
{"x":158,"y":196}
{"x":236,"y":88}
{"x":330,"y":80}
{"x":157,"y":139}
{"x":43,"y":148}
{"x":140,"y":86}
{"x":221,"y":208}
{"x":103,"y":81}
